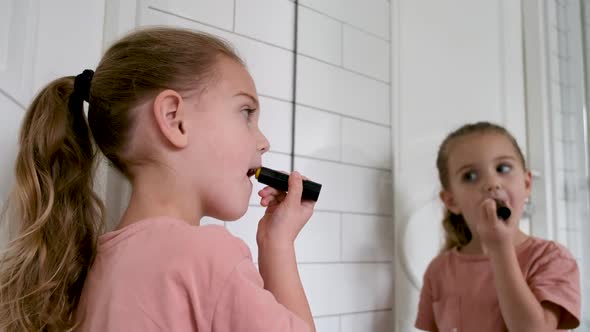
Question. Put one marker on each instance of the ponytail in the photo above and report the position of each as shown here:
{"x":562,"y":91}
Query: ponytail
{"x":457,"y":234}
{"x":57,"y":215}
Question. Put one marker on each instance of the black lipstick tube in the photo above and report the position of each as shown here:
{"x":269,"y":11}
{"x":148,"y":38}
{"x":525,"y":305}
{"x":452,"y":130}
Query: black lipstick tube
{"x":502,"y":211}
{"x":280,"y":181}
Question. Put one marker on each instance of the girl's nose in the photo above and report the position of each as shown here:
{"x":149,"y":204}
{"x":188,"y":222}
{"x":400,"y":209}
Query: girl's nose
{"x":492,"y":187}
{"x":262,"y":144}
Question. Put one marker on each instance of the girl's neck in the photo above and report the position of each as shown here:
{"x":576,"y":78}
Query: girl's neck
{"x":161,"y":195}
{"x":474,"y":247}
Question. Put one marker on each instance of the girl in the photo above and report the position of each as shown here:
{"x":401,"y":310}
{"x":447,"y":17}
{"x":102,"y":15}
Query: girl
{"x":490,"y":276}
{"x":177,"y":113}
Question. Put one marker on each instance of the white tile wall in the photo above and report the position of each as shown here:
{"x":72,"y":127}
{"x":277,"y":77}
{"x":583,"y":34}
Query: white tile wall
{"x":332,"y":88}
{"x":565,"y":58}
{"x":365,"y":53}
{"x":318,"y":134}
{"x":367,"y":238}
{"x":327,"y":324}
{"x":319,"y":36}
{"x":211,"y":221}
{"x":270,"y":66}
{"x":347,"y":288}
{"x":51,"y":62}
{"x":343,"y":118}
{"x":271,"y":21}
{"x":245,"y":228}
{"x":319,"y":240}
{"x":561,"y":220}
{"x":221,"y":15}
{"x":12,"y":116}
{"x":366,"y":144}
{"x":380,"y":321}
{"x":8,"y":149}
{"x":349,"y":188}
{"x":276,"y":123}
{"x":369,"y":15}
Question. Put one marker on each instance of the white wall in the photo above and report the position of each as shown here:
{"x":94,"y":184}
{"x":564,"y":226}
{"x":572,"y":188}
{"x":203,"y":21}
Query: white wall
{"x":37,"y":45}
{"x":343,"y":135}
{"x":563,"y":51}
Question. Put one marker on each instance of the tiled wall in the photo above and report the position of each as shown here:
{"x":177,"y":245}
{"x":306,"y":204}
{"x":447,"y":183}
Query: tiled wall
{"x":342,"y":136}
{"x":567,"y":93}
{"x":565,"y":63}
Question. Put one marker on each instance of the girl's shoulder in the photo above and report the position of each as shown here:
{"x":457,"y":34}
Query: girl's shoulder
{"x":174,"y":238}
{"x":541,"y":250}
{"x":439,"y":262}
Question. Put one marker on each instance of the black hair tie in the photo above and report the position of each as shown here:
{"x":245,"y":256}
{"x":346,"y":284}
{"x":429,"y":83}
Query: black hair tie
{"x":82,"y":85}
{"x":80,"y":94}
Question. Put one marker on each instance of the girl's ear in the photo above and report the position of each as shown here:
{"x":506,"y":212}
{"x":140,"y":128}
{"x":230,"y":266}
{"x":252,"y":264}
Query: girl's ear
{"x":449,"y":201}
{"x":169,"y":113}
{"x":528,"y":182}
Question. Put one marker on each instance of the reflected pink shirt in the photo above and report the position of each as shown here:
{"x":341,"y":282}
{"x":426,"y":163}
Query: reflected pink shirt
{"x":459,"y":294}
{"x":163,"y":274}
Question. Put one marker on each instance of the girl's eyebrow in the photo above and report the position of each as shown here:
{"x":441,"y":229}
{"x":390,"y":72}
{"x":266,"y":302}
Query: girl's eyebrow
{"x":505,"y":157}
{"x":464,"y":167}
{"x":245,"y":94}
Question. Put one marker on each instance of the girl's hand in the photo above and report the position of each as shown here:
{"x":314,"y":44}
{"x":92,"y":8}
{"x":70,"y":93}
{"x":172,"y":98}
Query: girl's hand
{"x":285,"y":214}
{"x":494,"y":232}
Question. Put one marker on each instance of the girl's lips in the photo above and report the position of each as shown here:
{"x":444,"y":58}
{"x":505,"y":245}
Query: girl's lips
{"x":251,"y":172}
{"x":502,"y":211}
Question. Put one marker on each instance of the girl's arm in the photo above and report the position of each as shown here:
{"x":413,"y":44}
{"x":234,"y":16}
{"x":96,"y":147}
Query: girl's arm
{"x":278,"y":268}
{"x":520,"y":308}
{"x":285,"y":216}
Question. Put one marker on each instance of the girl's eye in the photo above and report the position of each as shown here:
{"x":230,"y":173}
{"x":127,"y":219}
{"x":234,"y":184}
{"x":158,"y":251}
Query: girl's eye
{"x":247,"y":112}
{"x":503,"y":168}
{"x":470,"y":176}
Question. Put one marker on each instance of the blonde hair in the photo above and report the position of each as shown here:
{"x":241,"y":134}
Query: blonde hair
{"x":58,"y":217}
{"x":457,"y":234}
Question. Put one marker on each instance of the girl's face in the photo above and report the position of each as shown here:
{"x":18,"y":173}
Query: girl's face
{"x":225,"y":144}
{"x":482,"y":166}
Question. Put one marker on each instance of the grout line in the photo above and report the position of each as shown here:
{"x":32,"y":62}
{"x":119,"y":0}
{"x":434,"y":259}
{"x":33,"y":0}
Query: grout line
{"x":351,"y":313}
{"x":367,"y":76}
{"x":345,"y":116}
{"x":268,"y":44}
{"x":387,"y":170}
{"x":346,"y":23}
{"x":234,"y":21}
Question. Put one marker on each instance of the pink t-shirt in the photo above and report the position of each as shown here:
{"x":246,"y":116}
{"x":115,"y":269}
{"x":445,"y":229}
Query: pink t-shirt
{"x":162,"y":274}
{"x":459,"y":294}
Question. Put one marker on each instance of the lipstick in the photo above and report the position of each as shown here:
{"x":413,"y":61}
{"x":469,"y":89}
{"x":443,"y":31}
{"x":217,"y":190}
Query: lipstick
{"x":502,"y":211}
{"x":280,"y":181}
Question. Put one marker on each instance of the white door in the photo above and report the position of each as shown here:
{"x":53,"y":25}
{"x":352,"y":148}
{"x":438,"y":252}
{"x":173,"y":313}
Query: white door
{"x":454,"y":61}
{"x":40,"y":41}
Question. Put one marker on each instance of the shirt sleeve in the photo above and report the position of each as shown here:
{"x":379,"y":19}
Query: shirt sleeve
{"x":425,"y":319}
{"x":556,"y":279}
{"x":244,"y":305}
